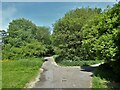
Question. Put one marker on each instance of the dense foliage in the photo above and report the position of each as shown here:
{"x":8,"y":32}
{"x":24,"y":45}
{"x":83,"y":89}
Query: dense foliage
{"x":67,"y":35}
{"x":88,"y":34}
{"x":25,"y":39}
{"x":101,"y":35}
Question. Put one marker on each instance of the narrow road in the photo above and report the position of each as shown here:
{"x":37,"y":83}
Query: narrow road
{"x":54,"y":76}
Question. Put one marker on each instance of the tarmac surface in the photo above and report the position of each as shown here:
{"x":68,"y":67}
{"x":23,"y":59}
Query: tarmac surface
{"x":54,"y":76}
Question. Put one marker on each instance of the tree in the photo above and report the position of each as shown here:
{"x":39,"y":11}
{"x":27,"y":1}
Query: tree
{"x":42,"y":34}
{"x":99,"y":35}
{"x":20,"y":31}
{"x":25,"y":39}
{"x":67,"y":35}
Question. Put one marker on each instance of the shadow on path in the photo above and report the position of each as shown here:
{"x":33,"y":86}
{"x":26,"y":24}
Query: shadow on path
{"x":88,"y":68}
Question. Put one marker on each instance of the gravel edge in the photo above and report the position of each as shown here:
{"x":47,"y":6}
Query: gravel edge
{"x":32,"y":83}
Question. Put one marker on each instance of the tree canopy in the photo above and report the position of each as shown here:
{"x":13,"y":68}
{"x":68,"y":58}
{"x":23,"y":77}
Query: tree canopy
{"x":67,"y":35}
{"x":25,"y":39}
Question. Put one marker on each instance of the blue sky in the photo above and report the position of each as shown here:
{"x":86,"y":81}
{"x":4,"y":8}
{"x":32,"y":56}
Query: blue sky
{"x":42,"y":13}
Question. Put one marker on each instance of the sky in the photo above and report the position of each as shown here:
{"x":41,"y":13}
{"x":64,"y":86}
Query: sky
{"x":59,"y":0}
{"x":42,"y":13}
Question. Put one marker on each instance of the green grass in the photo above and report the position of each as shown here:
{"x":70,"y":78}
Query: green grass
{"x":98,"y":82}
{"x":78,"y":63}
{"x":0,"y":75}
{"x":16,"y":73}
{"x":75,"y":63}
{"x":105,"y":77}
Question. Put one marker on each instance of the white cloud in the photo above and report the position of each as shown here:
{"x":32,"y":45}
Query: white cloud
{"x":7,"y":15}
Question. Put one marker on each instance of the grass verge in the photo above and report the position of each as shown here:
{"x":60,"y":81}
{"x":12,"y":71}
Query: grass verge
{"x":75,"y":63}
{"x":16,"y":73}
{"x":105,"y":77}
{"x":98,"y":82}
{"x":78,"y":63}
{"x":0,"y":75}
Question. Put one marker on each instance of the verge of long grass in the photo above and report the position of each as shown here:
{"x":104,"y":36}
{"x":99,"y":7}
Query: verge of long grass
{"x":105,"y":77}
{"x":98,"y":82}
{"x":76,"y":62}
{"x":0,"y":74}
{"x":16,"y":73}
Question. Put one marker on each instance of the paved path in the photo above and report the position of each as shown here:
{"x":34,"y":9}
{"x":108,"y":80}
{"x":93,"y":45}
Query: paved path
{"x":54,"y":76}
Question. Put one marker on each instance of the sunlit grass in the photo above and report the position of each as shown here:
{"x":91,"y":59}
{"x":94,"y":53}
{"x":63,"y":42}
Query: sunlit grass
{"x":16,"y":73}
{"x":0,"y":74}
{"x":98,"y":82}
{"x":75,"y":62}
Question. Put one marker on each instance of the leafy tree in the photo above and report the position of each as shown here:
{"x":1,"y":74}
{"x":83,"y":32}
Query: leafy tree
{"x":25,"y":39}
{"x":67,"y":35}
{"x":20,"y":31}
{"x":42,"y":34}
{"x":99,"y":35}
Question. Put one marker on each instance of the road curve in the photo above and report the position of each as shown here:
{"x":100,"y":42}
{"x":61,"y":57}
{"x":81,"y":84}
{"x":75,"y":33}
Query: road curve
{"x":54,"y":76}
